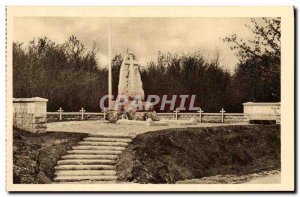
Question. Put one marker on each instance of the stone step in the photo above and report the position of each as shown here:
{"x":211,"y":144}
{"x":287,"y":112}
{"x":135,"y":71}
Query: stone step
{"x":86,"y":173}
{"x":80,"y":178}
{"x":85,"y":167}
{"x":123,"y":144}
{"x":93,"y":160}
{"x":90,"y":157}
{"x":83,"y":147}
{"x":86,"y":182}
{"x":102,"y":139}
{"x":89,"y":162}
{"x":95,"y":152}
{"x":111,"y":136}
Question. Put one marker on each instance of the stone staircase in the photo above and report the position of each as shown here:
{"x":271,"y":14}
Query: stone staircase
{"x":92,"y":160}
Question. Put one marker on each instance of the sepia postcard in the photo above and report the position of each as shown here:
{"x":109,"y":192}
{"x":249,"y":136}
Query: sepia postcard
{"x":152,"y":99}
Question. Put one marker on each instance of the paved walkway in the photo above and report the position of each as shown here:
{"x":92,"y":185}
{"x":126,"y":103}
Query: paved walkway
{"x":104,"y":128}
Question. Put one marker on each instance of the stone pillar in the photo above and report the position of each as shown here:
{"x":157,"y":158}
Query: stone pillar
{"x":30,"y":114}
{"x":262,"y":111}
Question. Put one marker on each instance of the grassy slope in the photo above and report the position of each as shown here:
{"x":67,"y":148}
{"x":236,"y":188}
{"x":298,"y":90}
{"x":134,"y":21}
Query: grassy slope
{"x":177,"y":154}
{"x":35,"y":155}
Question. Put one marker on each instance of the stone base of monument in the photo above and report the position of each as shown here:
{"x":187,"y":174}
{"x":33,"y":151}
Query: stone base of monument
{"x":127,"y":114}
{"x":150,"y":122}
{"x":192,"y":121}
{"x":126,"y":121}
{"x":127,"y":106}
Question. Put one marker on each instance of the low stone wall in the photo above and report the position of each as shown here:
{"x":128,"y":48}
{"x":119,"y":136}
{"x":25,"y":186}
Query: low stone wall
{"x":52,"y":117}
{"x":206,"y":117}
{"x":30,"y":114}
{"x":76,"y":116}
{"x":234,"y":118}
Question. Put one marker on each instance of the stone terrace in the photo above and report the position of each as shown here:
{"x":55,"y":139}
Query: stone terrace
{"x":104,"y":128}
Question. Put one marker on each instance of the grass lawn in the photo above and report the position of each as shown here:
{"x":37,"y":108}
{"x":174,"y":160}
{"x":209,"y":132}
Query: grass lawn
{"x":35,"y":155}
{"x":172,"y":155}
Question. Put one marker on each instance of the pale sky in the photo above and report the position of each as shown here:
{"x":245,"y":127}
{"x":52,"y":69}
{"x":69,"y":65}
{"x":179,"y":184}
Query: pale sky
{"x":143,"y":36}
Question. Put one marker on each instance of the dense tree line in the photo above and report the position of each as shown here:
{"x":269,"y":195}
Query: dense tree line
{"x":188,"y":75}
{"x":257,"y":77}
{"x":69,"y":75}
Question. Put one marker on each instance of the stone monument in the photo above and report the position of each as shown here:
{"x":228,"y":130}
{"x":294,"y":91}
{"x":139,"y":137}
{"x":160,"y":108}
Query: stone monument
{"x":130,"y":82}
{"x":131,"y":86}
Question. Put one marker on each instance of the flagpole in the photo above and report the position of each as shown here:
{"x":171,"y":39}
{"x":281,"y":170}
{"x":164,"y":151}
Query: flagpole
{"x":109,"y":66}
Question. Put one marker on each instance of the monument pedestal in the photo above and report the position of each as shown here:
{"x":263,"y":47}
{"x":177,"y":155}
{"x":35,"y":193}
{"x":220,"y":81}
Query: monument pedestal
{"x":127,"y":107}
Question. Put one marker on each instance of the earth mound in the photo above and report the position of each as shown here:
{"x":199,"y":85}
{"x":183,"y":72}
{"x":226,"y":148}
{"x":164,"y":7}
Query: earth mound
{"x":171,"y":155}
{"x":35,"y":155}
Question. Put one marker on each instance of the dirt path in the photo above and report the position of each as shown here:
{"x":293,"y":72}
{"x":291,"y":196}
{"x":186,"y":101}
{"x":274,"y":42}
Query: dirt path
{"x":269,"y":179}
{"x":266,"y":177}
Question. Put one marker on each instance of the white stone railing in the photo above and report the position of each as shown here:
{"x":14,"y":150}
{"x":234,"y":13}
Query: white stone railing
{"x":223,"y":117}
{"x":31,"y":114}
{"x":60,"y":115}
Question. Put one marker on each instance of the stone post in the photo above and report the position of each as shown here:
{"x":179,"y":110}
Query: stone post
{"x":200,"y":114}
{"x":262,"y":111}
{"x":82,"y":111}
{"x":176,"y":113}
{"x":30,"y":114}
{"x":222,"y":114}
{"x":104,"y":113}
{"x":60,"y":113}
